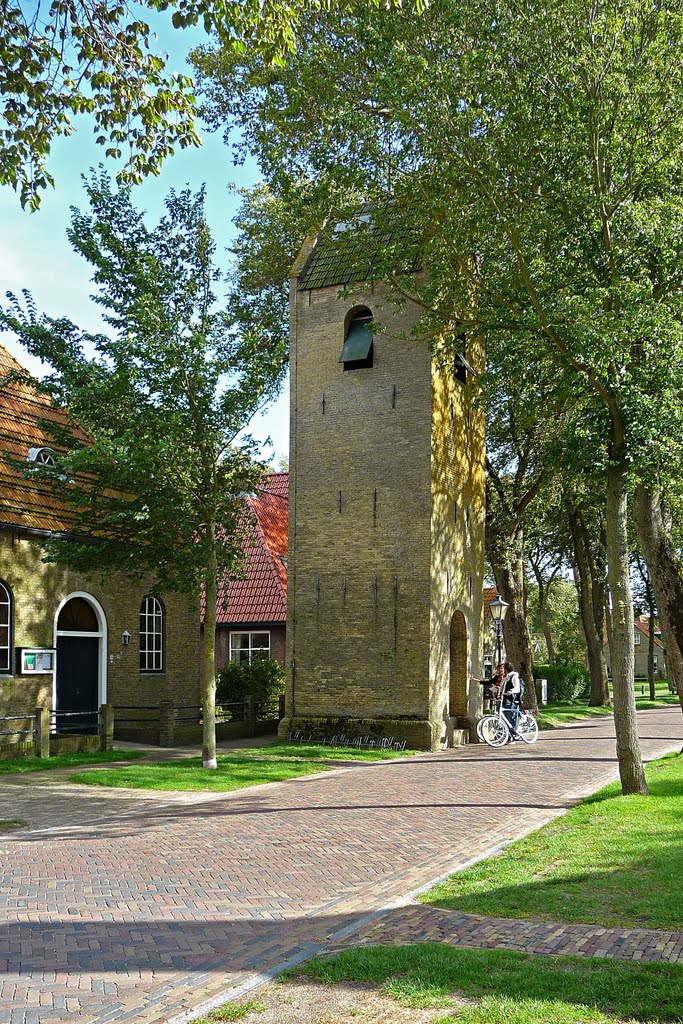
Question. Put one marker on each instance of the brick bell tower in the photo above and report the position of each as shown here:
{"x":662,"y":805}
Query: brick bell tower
{"x":386,"y":512}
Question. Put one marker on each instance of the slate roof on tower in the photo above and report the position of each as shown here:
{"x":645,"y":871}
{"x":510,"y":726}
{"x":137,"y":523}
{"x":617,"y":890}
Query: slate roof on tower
{"x":26,"y":503}
{"x":262,"y":595}
{"x":360,"y":250}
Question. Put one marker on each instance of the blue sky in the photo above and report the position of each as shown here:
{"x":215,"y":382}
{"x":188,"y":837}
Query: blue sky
{"x":35,"y":253}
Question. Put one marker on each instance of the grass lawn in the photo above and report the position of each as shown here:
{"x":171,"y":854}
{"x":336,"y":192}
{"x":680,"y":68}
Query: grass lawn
{"x":312,"y":751}
{"x":17,"y":765}
{"x":9,"y":824}
{"x":509,"y":987}
{"x":235,"y":771}
{"x":612,"y":860}
{"x":560,"y":712}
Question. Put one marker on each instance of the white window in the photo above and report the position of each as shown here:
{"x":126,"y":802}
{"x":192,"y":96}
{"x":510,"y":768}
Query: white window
{"x":247,"y":647}
{"x":41,"y":456}
{"x":636,"y":638}
{"x":151,"y":635}
{"x":5,"y":628}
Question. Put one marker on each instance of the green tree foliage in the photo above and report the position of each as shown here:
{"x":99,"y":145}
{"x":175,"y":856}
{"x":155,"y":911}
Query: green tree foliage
{"x":72,"y":57}
{"x":545,"y":142}
{"x":563,"y":623}
{"x":269,"y":233}
{"x":75,"y":57}
{"x":153,"y":485}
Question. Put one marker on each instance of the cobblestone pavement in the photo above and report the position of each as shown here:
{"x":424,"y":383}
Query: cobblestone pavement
{"x":122,"y":905}
{"x":474,"y":931}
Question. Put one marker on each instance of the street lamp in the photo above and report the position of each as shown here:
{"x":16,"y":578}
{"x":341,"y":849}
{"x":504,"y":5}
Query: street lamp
{"x":498,"y":608}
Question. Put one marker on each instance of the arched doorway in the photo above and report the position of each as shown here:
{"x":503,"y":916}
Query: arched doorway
{"x":457,"y":700}
{"x":81,"y":676}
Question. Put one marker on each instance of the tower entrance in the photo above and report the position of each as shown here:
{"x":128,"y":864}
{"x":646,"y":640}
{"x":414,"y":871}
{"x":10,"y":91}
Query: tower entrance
{"x":457,"y":697}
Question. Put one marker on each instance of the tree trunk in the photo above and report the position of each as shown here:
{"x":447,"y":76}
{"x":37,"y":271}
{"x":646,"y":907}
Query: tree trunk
{"x":209,"y":676}
{"x":651,"y":653}
{"x":591,"y":609}
{"x":543,"y":594}
{"x":664,"y":570}
{"x":506,"y":555}
{"x":623,"y":686}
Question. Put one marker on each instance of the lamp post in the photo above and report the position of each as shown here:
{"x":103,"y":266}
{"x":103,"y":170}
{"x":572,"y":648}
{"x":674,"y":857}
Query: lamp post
{"x":498,"y":608}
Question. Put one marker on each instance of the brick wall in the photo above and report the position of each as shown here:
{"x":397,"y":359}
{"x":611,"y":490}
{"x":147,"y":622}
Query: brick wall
{"x":358,"y":591}
{"x":378,"y":560}
{"x":457,"y":526}
{"x":38,"y":590}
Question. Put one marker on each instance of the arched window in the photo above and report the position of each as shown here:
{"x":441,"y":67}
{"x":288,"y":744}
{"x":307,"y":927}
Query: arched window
{"x":357,"y":350}
{"x":5,"y":628}
{"x":151,"y":635}
{"x":78,"y":616}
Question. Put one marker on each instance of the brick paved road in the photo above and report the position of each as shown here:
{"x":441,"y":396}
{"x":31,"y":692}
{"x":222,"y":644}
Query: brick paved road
{"x":419,"y":923}
{"x":123,"y":906}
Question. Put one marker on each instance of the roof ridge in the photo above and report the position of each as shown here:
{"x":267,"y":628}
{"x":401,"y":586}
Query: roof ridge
{"x":272,"y":494}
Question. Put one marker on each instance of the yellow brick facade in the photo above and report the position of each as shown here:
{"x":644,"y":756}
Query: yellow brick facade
{"x":385,"y":579}
{"x":38,"y":589}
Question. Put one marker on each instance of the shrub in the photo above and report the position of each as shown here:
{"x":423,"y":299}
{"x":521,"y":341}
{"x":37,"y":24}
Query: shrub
{"x":565,"y":682}
{"x":264,"y":680}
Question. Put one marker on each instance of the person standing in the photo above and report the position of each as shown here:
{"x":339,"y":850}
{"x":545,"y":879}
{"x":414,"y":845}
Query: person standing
{"x":511,"y":694}
{"x":492,"y":686}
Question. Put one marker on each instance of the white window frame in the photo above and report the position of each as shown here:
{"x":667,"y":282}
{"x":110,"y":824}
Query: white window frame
{"x":6,"y":602}
{"x":154,"y":623}
{"x":636,"y":637}
{"x":251,"y":633}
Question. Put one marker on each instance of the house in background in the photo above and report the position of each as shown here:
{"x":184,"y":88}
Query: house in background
{"x":252,"y":612}
{"x":68,"y":641}
{"x":641,"y":640}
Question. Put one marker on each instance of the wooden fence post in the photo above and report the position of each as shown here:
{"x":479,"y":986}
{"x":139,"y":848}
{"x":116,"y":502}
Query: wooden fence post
{"x":107,"y":727}
{"x":250,"y":715}
{"x":166,"y":723}
{"x":42,"y":739}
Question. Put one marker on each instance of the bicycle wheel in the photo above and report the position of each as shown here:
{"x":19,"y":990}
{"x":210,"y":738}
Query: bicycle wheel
{"x":494,"y":731}
{"x":480,"y":727}
{"x":527,"y":727}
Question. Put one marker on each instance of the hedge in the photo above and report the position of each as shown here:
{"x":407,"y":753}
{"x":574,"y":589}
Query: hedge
{"x":264,"y":680}
{"x":565,"y":682}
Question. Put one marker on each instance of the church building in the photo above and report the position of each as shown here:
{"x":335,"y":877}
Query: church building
{"x":70,"y":642}
{"x":386,"y":509}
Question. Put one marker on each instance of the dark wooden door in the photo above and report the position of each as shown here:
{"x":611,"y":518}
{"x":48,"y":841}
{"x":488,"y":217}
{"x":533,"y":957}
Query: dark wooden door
{"x":77,"y":681}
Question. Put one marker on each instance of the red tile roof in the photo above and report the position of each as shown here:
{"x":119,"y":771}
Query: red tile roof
{"x":643,"y":626}
{"x":25,"y":502}
{"x":262,"y":595}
